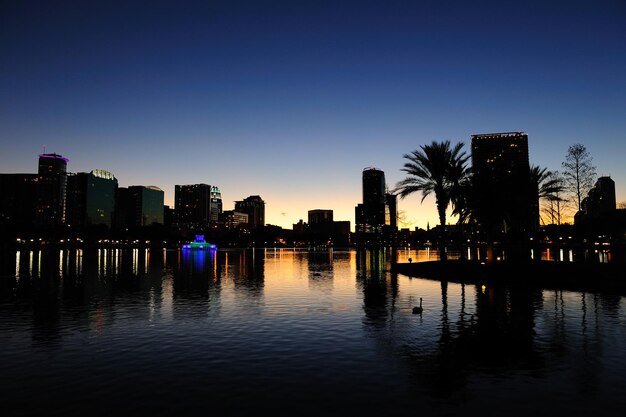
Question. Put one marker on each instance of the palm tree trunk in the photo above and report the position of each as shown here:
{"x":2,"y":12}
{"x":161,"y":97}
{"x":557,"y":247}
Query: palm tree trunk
{"x":441,"y":209}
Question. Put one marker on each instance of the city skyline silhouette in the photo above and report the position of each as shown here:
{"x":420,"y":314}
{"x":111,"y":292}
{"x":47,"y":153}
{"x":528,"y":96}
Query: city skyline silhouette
{"x":291,"y":100}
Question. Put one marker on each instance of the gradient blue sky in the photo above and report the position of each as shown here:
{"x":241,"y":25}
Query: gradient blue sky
{"x":292,"y":99}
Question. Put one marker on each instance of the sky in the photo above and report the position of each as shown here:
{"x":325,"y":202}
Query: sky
{"x":291,"y":100}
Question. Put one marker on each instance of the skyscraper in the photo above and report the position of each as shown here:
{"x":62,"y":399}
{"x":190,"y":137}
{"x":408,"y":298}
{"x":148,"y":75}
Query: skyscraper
{"x":50,"y":206}
{"x":216,"y":205}
{"x":254,"y":207}
{"x":139,"y":205}
{"x":601,"y":198}
{"x":376,"y":216}
{"x":91,"y":198}
{"x":506,"y":201}
{"x":197,"y":205}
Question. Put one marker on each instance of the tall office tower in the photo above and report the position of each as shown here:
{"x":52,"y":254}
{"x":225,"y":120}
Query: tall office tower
{"x":601,"y":198}
{"x":370,"y":215}
{"x":216,"y":205}
{"x":197,"y":205}
{"x":139,"y":205}
{"x":50,"y":206}
{"x":192,"y":204}
{"x":505,"y":200}
{"x":320,"y":216}
{"x":91,"y":198}
{"x":254,"y":207}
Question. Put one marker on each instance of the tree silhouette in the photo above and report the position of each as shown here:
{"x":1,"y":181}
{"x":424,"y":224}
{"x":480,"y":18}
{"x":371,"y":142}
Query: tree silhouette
{"x":435,"y":169}
{"x":548,"y":185}
{"x":578,"y":172}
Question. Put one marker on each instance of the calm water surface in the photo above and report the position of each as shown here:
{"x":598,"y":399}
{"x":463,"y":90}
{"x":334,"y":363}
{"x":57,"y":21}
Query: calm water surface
{"x":291,"y":332}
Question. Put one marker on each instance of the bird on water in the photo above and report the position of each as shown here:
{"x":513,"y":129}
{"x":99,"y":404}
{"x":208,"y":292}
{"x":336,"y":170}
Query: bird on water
{"x":418,"y":310}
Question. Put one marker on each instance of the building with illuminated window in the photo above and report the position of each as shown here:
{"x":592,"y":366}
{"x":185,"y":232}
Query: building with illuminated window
{"x":91,"y":199}
{"x":254,"y":207}
{"x":197,"y":205}
{"x":35,"y":200}
{"x":505,"y":199}
{"x":51,"y":188}
{"x":232,"y":218}
{"x":215,"y":206}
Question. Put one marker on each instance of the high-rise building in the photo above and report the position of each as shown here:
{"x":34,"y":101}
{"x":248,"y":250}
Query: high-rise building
{"x":197,"y":205}
{"x":139,"y":205}
{"x":215,"y":205}
{"x":601,"y":198}
{"x":50,"y":206}
{"x":91,"y":198}
{"x":379,"y":208}
{"x":506,"y":200}
{"x":254,"y":207}
{"x":376,"y":217}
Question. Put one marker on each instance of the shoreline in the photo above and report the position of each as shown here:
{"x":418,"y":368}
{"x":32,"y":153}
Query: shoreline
{"x":575,"y":276}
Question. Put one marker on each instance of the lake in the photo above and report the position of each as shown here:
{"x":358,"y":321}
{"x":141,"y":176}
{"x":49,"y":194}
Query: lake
{"x":294,"y":332}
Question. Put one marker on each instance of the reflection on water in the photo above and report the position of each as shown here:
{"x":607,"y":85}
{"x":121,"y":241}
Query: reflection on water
{"x":286,"y":331}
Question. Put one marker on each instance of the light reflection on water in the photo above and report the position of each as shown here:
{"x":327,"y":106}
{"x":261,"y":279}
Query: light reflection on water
{"x":295,"y":332}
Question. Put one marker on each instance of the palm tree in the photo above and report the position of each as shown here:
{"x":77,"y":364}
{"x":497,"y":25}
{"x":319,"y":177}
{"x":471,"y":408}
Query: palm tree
{"x":548,"y":184}
{"x":435,"y":169}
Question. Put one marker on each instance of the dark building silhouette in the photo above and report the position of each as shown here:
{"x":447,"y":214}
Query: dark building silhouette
{"x":50,"y":205}
{"x":197,"y":205}
{"x":391,"y":211}
{"x":35,"y":200}
{"x":139,"y":206}
{"x":320,"y":216}
{"x":376,"y":217}
{"x":505,"y":201}
{"x":168,"y":215}
{"x":322,"y":230}
{"x":193,"y":204}
{"x":370,"y":215}
{"x":18,"y":197}
{"x":254,"y":207}
{"x":91,"y":199}
{"x":601,"y":198}
{"x":600,"y":216}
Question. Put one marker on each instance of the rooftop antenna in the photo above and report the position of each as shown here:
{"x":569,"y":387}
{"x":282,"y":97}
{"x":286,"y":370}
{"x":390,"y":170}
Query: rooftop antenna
{"x":44,"y":148}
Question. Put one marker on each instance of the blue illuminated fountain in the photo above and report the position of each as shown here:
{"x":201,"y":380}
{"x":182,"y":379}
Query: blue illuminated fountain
{"x":199,"y":244}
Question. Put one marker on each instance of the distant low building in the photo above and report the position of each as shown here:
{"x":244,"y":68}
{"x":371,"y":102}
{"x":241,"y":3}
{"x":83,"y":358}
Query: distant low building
{"x":232,"y":219}
{"x":320,"y":216}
